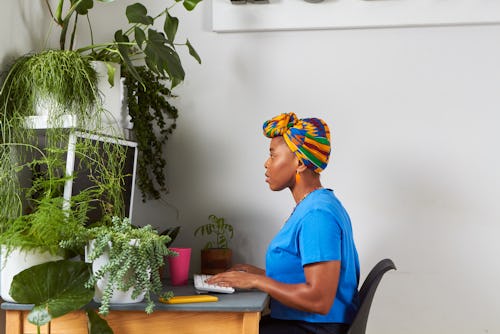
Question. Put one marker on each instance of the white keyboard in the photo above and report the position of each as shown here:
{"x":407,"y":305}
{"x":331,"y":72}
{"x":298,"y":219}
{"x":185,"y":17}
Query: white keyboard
{"x":201,"y":285}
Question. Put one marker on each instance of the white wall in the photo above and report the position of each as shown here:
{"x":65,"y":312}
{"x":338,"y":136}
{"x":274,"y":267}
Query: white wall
{"x":414,"y":118}
{"x":414,"y":113}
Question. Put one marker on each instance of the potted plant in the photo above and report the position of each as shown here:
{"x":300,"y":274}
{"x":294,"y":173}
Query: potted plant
{"x":34,"y":239}
{"x":216,"y":256}
{"x":35,"y":215}
{"x":124,"y":259}
{"x":59,"y":289}
{"x":151,"y":67}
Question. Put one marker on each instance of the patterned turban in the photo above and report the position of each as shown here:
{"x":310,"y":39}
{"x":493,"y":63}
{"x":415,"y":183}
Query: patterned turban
{"x":308,"y":138}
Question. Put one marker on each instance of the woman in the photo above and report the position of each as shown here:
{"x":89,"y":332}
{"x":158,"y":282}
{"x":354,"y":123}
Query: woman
{"x":312,"y":267}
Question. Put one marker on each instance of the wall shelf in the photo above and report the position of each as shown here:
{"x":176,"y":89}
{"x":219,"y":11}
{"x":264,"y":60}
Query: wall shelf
{"x":347,"y":14}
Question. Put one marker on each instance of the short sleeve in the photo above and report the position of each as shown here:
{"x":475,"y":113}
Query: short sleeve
{"x":320,"y":238}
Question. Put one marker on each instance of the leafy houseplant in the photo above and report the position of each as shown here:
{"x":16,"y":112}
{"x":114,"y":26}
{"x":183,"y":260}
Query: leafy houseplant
{"x":216,"y":254}
{"x":36,"y":215}
{"x":135,"y":256}
{"x":217,"y":227}
{"x":33,"y":165}
{"x":152,"y":67}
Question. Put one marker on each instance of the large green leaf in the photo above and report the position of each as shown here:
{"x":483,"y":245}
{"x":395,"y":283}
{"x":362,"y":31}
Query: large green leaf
{"x":137,"y":13}
{"x":190,"y":4}
{"x":82,"y":6}
{"x":97,"y":325}
{"x":170,"y":27}
{"x":163,"y":56}
{"x":140,"y":37}
{"x":123,"y":48}
{"x":56,"y":288}
{"x":193,"y":52}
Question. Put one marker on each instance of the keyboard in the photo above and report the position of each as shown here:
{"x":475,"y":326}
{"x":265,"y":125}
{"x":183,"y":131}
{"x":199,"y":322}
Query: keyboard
{"x":201,"y":285}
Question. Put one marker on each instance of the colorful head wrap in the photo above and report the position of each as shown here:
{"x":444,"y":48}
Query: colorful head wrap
{"x":308,"y":138}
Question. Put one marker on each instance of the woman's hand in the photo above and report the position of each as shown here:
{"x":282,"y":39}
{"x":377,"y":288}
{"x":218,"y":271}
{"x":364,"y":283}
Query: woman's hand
{"x":236,"y":279}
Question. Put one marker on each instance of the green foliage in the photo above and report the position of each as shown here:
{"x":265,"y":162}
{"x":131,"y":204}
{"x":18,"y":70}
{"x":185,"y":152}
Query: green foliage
{"x":97,"y":325}
{"x":172,"y":233}
{"x":141,"y":40}
{"x":154,"y":120}
{"x":148,"y":86}
{"x":221,"y":231}
{"x":64,"y":80}
{"x":42,"y":229}
{"x":135,"y":257}
{"x":33,"y":163}
{"x":55,"y":288}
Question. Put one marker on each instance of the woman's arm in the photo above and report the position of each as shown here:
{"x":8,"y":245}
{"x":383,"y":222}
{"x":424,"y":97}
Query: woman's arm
{"x":248,"y":268}
{"x":315,"y":295}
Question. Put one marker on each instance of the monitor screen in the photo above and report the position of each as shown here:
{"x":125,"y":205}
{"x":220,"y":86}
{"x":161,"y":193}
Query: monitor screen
{"x":87,"y":170}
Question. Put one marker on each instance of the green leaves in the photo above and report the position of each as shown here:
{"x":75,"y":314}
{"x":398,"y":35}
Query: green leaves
{"x":223,"y":232}
{"x":137,"y":13}
{"x":56,"y":288}
{"x":193,"y":52}
{"x":170,"y":27}
{"x":97,"y":325}
{"x":161,"y":57}
{"x":157,"y":48}
{"x":190,"y":4}
{"x":82,"y":6}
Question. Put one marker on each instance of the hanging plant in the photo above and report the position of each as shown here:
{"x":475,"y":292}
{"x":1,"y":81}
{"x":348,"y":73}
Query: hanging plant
{"x":154,"y":120}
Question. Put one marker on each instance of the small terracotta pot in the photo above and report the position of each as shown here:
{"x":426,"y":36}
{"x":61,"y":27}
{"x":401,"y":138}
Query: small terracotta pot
{"x":215,"y":260}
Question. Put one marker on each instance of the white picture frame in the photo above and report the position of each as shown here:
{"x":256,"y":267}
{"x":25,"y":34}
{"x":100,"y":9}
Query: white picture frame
{"x":349,"y":14}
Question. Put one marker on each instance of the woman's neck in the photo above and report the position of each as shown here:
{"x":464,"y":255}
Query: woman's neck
{"x":304,"y":186}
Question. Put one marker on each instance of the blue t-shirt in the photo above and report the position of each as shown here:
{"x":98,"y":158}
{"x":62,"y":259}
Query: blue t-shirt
{"x":318,"y":230}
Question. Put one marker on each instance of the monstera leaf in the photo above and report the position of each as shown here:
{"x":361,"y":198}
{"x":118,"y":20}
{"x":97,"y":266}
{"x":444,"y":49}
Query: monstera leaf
{"x":56,"y":288}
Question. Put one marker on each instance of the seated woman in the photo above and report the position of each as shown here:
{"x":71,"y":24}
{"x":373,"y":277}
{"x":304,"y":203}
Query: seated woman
{"x":312,"y":266}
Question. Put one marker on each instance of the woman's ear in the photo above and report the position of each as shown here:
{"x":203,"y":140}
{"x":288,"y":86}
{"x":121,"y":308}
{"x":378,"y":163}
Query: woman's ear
{"x":301,"y":167}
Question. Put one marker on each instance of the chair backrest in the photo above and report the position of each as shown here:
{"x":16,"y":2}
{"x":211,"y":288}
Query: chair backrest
{"x":366,"y":294}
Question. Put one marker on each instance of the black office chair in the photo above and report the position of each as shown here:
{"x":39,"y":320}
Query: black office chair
{"x":366,"y":294}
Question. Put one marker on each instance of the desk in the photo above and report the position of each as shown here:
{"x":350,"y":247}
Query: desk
{"x":233,"y":313}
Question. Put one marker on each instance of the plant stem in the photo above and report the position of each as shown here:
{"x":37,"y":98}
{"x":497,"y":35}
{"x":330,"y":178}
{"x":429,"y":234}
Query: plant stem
{"x":72,"y":39}
{"x":58,"y":17}
{"x":65,"y":22}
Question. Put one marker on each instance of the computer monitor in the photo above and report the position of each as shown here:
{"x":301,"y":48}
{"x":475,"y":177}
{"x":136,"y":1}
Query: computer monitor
{"x":84,"y":170}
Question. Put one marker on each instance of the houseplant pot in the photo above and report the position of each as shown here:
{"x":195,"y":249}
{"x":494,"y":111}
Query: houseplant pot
{"x":34,"y":238}
{"x":215,"y":260}
{"x":118,"y":296}
{"x":216,"y":256}
{"x":134,"y":256}
{"x":16,"y":260}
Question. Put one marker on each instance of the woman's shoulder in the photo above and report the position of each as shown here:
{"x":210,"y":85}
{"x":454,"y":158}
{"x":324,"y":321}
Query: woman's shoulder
{"x":324,"y":202}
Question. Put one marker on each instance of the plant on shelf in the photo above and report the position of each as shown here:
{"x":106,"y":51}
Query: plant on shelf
{"x":135,"y":257}
{"x":152,"y":67}
{"x":216,"y":254}
{"x":44,"y":98}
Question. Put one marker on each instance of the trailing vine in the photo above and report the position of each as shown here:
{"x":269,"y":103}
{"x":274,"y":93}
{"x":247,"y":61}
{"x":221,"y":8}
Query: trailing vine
{"x":135,"y":257}
{"x":154,"y":120}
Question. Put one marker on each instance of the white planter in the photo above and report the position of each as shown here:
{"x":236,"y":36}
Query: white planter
{"x":112,"y":121}
{"x":116,"y":117}
{"x":17,"y":261}
{"x":121,"y":297}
